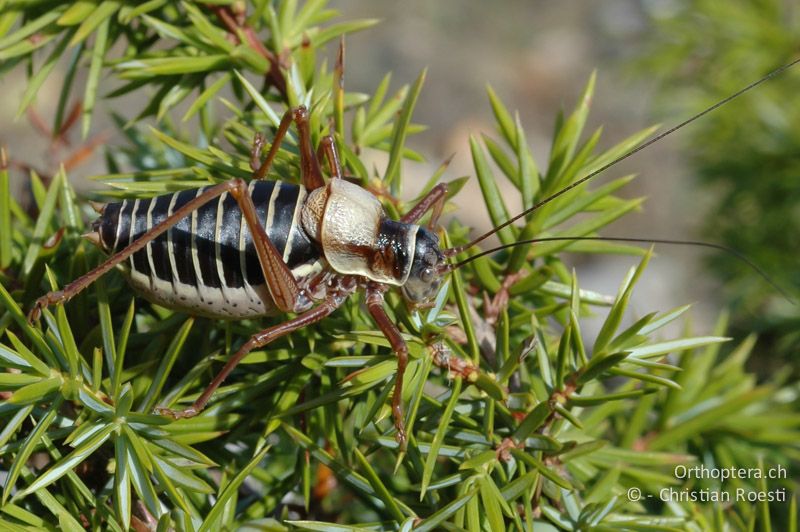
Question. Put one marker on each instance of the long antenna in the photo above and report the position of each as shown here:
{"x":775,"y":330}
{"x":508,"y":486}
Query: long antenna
{"x":450,"y":267}
{"x":456,"y":250}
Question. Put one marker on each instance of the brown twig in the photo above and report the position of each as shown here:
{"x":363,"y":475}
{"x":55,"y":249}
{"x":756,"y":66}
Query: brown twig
{"x":38,"y":124}
{"x":69,"y":123}
{"x":238,"y":28}
{"x":86,"y":150}
{"x":492,"y":308}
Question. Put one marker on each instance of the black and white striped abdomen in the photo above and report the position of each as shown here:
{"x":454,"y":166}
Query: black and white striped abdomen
{"x":207,"y":263}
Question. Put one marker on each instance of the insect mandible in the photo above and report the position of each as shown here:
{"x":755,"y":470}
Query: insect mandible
{"x":243,"y":249}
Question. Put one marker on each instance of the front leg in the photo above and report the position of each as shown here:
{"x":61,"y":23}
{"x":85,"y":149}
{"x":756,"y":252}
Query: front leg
{"x":375,"y":305}
{"x":432,"y":200}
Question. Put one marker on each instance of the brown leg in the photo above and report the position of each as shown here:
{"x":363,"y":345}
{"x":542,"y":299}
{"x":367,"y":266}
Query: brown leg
{"x":392,"y":333}
{"x":328,"y":148}
{"x":282,"y":285}
{"x":255,"y":154}
{"x":283,"y":127}
{"x":433,"y":199}
{"x":280,"y":281}
{"x":257,"y":340}
{"x":309,"y":165}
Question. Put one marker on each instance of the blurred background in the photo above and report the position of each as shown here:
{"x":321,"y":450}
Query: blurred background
{"x":538,"y":56}
{"x":733,"y":178}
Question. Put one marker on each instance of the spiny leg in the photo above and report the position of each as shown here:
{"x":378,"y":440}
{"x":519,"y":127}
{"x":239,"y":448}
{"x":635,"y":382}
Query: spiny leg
{"x":257,"y":340}
{"x":310,"y":172}
{"x":375,"y":306}
{"x":72,"y":289}
{"x":433,"y":199}
{"x":255,"y":153}
{"x":258,"y":144}
{"x":280,"y":282}
{"x":309,"y":165}
{"x":327,"y":147}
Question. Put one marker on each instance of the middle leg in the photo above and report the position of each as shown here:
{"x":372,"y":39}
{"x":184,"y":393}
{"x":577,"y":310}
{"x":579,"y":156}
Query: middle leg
{"x":374,"y":301}
{"x":310,"y":172}
{"x":433,"y":199}
{"x":327,"y":147}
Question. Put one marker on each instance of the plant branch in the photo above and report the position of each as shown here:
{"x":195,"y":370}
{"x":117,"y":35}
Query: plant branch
{"x":238,"y":27}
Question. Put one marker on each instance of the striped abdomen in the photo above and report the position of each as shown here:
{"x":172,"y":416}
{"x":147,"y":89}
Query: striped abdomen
{"x":207,"y":264}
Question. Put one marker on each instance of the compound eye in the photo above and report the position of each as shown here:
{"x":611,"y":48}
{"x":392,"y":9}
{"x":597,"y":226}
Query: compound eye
{"x":430,"y":258}
{"x":426,"y":276}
